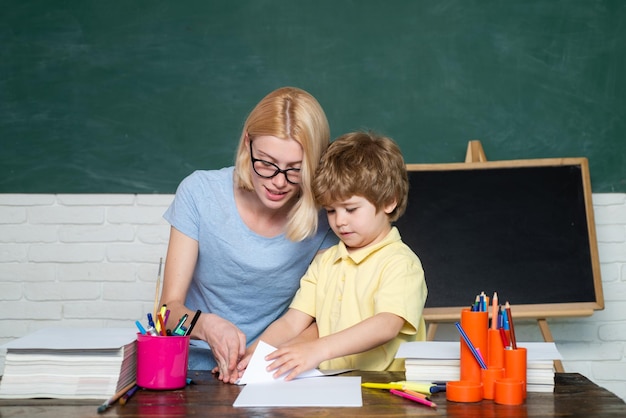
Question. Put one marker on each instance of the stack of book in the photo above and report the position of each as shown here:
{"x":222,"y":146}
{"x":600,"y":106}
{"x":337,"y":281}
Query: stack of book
{"x":539,"y":374}
{"x":430,"y":361}
{"x":69,"y":363}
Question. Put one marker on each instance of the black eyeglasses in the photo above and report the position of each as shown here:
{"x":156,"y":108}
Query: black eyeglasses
{"x":269,"y":170}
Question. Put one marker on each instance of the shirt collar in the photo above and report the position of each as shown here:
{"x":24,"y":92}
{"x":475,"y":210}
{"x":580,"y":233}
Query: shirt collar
{"x":361,"y":254}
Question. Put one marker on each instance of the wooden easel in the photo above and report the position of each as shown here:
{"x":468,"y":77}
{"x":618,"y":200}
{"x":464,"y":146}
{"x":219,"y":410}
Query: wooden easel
{"x":476,"y":154}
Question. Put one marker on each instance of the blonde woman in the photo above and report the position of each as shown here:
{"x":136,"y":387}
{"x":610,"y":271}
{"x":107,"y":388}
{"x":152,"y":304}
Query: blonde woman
{"x":241,"y":237}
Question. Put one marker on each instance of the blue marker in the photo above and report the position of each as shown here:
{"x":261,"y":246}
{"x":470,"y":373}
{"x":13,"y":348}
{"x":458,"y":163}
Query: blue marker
{"x":141,"y":328}
{"x":150,"y":321}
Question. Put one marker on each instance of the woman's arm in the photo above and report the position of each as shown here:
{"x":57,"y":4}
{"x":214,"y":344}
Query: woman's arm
{"x":182,"y":254}
{"x":227,"y":342}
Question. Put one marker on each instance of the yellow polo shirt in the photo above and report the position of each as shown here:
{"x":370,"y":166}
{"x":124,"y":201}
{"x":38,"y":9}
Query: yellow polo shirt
{"x":340,"y":290}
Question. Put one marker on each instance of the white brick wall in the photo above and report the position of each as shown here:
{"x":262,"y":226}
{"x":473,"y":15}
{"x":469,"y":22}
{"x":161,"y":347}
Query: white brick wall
{"x":92,"y":261}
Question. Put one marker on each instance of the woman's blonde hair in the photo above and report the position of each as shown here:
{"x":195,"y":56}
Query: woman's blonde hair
{"x":289,"y":113}
{"x":363,"y":164}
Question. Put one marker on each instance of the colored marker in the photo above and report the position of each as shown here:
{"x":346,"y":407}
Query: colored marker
{"x":193,"y":322}
{"x":161,"y":329}
{"x":150,"y":320}
{"x":383,"y":385}
{"x":167,"y":315}
{"x":159,"y":326}
{"x":140,"y":327}
{"x":426,"y":388}
{"x":180,"y":324}
{"x":421,"y":387}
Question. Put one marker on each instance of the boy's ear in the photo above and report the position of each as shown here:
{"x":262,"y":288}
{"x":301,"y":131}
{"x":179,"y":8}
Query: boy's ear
{"x":390,"y":207}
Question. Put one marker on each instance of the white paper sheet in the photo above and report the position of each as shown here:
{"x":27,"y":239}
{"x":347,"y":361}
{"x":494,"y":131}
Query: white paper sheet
{"x":429,"y":350}
{"x":312,"y":388}
{"x":256,"y":371}
{"x":334,"y":391}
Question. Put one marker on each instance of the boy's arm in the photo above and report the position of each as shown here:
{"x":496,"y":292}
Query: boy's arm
{"x":309,"y":334}
{"x":284,"y":329}
{"x":287,"y":327}
{"x":367,"y":334}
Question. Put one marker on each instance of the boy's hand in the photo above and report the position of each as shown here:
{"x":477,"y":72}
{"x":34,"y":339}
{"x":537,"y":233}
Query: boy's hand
{"x":294,"y":359}
{"x":245,"y":360}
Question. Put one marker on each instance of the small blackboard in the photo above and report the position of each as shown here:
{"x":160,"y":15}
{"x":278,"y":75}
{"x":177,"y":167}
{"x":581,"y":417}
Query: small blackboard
{"x":522,"y":228}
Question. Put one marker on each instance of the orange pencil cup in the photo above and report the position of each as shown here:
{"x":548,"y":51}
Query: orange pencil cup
{"x":489,"y":377}
{"x":495,"y":358}
{"x":475,"y":325}
{"x":460,"y":391}
{"x":509,"y":391}
{"x":162,"y":361}
{"x":515,"y":366}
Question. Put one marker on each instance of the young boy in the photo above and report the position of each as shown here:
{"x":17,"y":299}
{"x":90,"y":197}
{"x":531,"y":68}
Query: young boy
{"x":366,"y":293}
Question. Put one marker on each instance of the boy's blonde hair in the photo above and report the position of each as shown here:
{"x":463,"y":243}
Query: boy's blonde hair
{"x":363,"y":164}
{"x":288,"y":113}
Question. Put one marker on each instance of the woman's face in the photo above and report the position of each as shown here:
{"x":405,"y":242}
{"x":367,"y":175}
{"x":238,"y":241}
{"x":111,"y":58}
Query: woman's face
{"x":280,"y":160}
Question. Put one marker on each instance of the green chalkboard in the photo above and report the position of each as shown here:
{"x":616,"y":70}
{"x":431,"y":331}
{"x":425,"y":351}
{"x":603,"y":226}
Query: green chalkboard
{"x":131,"y":96}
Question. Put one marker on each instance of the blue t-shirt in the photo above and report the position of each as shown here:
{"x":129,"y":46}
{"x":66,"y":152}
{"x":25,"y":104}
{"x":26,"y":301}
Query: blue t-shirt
{"x":240,"y":276}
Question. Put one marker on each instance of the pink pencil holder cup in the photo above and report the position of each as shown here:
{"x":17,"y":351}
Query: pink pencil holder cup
{"x":162,"y":361}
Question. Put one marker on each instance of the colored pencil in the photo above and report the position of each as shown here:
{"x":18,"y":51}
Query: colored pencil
{"x":115,"y":397}
{"x":413,"y":398}
{"x":471,"y":346}
{"x":494,"y":311}
{"x":158,"y":289}
{"x":507,"y":307}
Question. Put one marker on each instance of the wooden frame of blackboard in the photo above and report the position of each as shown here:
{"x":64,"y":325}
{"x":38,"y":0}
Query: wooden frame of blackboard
{"x":581,"y":201}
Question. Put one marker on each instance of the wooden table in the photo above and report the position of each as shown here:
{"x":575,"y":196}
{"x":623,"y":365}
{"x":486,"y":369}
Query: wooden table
{"x":574,"y":395}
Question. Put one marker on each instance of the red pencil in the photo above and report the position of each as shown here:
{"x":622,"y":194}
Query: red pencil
{"x":507,"y":307}
{"x":505,"y":341}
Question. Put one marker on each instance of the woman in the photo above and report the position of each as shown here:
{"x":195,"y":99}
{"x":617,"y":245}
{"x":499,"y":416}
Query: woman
{"x":241,"y":237}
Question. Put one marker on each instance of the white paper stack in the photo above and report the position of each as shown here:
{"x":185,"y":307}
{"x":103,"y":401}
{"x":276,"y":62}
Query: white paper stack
{"x":69,"y":363}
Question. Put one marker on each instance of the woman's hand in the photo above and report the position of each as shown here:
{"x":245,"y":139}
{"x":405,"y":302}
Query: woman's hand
{"x":227,"y":343}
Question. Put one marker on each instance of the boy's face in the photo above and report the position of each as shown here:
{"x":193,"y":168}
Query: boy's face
{"x":356,"y":222}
